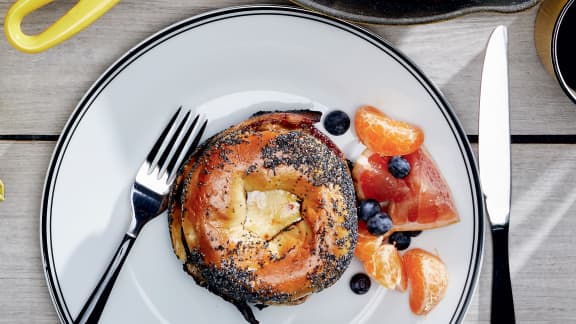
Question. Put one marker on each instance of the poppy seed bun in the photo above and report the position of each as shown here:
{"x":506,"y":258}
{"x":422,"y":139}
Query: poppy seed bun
{"x":264,"y":211}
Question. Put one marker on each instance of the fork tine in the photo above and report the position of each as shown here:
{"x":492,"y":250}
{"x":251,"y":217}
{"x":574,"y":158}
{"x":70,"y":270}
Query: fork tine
{"x":171,"y":142}
{"x":196,"y":140}
{"x":154,"y":152}
{"x":181,"y":153}
{"x":183,"y":142}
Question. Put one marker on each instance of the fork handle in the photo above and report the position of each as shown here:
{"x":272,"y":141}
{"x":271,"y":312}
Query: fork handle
{"x":502,"y":300}
{"x":94,"y":306}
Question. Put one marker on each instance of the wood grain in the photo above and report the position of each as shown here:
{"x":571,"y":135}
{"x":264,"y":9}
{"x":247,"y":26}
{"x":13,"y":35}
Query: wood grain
{"x":40,"y":91}
{"x":543,"y":260}
{"x":24,"y":297}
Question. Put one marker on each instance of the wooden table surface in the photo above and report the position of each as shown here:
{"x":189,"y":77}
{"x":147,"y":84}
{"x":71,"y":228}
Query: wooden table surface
{"x":39,"y":92}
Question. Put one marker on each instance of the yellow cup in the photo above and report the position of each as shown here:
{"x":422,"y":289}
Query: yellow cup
{"x":80,"y":16}
{"x":554,"y":32}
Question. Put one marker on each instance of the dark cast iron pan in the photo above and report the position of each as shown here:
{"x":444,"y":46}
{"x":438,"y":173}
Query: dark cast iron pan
{"x":404,"y":12}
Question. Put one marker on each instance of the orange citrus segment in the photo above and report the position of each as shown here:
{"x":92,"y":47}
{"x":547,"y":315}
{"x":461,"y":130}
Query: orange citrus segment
{"x":420,"y":201}
{"x":385,"y":266}
{"x":404,"y":279}
{"x":367,"y":243}
{"x":385,"y":135}
{"x":367,"y":250}
{"x":428,"y":279}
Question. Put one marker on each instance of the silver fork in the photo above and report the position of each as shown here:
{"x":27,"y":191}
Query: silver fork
{"x":149,"y":199}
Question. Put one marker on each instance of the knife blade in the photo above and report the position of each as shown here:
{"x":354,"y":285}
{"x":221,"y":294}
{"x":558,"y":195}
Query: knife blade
{"x":495,"y":167}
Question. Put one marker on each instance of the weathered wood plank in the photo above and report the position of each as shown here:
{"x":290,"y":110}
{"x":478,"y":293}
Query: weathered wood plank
{"x":40,"y":91}
{"x":24,"y":297}
{"x":542,"y":259}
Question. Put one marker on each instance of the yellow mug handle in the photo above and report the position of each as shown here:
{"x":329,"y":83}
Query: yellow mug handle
{"x":80,"y":16}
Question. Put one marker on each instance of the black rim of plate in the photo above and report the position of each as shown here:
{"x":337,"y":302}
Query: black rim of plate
{"x":212,"y":16}
{"x":442,"y":10}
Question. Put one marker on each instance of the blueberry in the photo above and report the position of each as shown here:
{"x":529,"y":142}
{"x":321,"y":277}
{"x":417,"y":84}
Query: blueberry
{"x":360,"y":283}
{"x":399,"y":167}
{"x":367,"y":209}
{"x":413,"y":233}
{"x":400,"y":240}
{"x":379,"y":223}
{"x":337,"y":122}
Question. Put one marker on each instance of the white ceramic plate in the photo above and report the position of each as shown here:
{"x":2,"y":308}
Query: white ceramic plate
{"x":229,"y":64}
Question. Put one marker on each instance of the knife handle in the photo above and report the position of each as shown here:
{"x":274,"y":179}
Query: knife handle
{"x":502,"y":300}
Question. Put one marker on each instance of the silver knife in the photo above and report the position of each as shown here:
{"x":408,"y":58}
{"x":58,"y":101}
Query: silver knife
{"x":494,"y":157}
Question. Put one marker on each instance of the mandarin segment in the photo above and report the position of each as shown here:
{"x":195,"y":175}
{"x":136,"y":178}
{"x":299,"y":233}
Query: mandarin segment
{"x":385,"y":135}
{"x":367,"y":250}
{"x":428,"y":280}
{"x":367,"y":243}
{"x":385,"y":266}
{"x":403,"y":286}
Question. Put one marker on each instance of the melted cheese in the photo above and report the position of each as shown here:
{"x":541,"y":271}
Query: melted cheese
{"x":269,"y":212}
